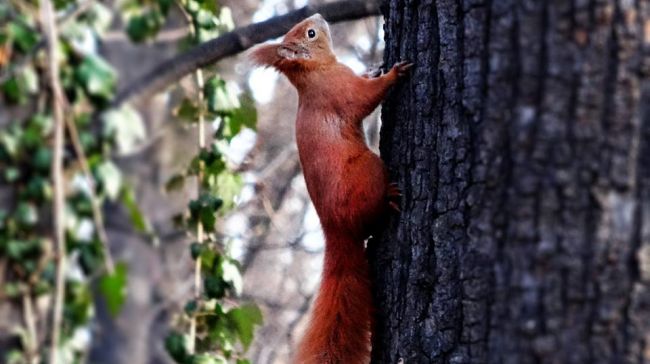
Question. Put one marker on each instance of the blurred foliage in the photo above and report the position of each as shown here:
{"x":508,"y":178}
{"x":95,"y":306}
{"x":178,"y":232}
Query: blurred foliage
{"x":225,"y":329}
{"x":88,"y":82}
{"x":220,"y":324}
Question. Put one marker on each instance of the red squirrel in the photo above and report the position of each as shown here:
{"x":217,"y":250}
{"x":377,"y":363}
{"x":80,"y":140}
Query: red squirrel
{"x":346,"y":181}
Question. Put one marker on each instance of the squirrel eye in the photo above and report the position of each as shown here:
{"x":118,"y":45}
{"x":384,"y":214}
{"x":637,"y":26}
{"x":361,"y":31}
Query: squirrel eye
{"x":311,"y":33}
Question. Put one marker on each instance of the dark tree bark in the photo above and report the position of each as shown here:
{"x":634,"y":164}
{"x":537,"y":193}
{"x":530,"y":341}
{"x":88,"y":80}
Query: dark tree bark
{"x":522,"y":145}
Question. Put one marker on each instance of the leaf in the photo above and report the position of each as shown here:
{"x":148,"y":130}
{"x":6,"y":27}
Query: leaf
{"x":225,"y":19}
{"x":96,"y":76}
{"x":9,"y":143}
{"x":23,"y":37}
{"x":145,"y":25}
{"x":110,"y":178}
{"x":42,"y":159}
{"x":196,"y":249}
{"x":228,"y":186}
{"x":176,"y":345}
{"x":14,"y":91}
{"x":246,"y":114}
{"x":175,"y":182}
{"x":190,"y":307}
{"x":139,"y":221}
{"x":218,"y":97}
{"x":207,"y":218}
{"x":204,"y":210}
{"x":208,"y":258}
{"x":99,"y":16}
{"x":26,"y":214}
{"x":244,"y":319}
{"x":125,"y":126}
{"x":214,"y":286}
{"x":187,"y":111}
{"x":232,"y":275}
{"x":11,"y":174}
{"x":209,"y":359}
{"x":113,"y":288}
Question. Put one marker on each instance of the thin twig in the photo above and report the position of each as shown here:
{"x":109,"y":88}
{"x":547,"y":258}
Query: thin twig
{"x":30,"y":324}
{"x":49,"y":25}
{"x":94,"y":201}
{"x":199,"y":226}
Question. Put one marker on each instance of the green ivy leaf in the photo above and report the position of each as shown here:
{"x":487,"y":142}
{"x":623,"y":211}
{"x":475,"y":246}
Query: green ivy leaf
{"x":217,"y":96}
{"x":26,"y":214}
{"x":126,"y":128}
{"x":214,"y":286}
{"x":113,"y":288}
{"x":196,"y":249}
{"x":97,"y":77}
{"x":204,"y":210}
{"x":190,"y":307}
{"x":188,"y":111}
{"x":244,"y":116}
{"x":145,"y":26}
{"x":208,"y":359}
{"x":22,"y":36}
{"x":110,"y":178}
{"x":244,"y":319}
{"x":176,"y":345}
{"x":14,"y":91}
{"x":207,"y":218}
{"x":228,"y":186}
{"x":164,"y":5}
{"x":232,"y":275}
{"x":208,"y":258}
{"x":42,"y":159}
{"x":11,"y":174}
{"x":138,"y":219}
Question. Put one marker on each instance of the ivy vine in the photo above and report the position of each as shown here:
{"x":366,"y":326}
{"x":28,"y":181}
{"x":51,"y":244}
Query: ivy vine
{"x":213,"y":327}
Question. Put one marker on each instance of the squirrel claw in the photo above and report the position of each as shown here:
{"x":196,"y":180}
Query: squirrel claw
{"x":402,"y":67}
{"x":394,"y":206}
{"x":394,"y":190}
{"x":394,"y":193}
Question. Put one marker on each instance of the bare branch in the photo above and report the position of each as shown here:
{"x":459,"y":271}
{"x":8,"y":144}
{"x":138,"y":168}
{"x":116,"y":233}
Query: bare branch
{"x":50,"y":28}
{"x":237,"y":41}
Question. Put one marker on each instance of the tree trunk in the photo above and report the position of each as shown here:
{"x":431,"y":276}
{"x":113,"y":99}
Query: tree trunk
{"x":521,"y":142}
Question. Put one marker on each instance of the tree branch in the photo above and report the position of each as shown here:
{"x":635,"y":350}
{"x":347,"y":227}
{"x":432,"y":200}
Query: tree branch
{"x":236,"y":41}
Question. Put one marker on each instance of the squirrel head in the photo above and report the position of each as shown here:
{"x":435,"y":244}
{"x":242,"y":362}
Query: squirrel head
{"x":307,"y":46}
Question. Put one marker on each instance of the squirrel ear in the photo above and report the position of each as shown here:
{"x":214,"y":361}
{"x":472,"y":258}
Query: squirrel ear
{"x":265,"y":55}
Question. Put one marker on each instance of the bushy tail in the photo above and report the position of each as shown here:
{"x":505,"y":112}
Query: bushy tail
{"x":339,"y":331}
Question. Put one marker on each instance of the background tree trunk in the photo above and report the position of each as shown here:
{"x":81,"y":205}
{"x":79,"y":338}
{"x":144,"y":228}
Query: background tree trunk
{"x":522,"y":145}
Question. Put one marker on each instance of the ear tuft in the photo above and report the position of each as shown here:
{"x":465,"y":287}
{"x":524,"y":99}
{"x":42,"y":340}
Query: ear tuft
{"x":264,"y":55}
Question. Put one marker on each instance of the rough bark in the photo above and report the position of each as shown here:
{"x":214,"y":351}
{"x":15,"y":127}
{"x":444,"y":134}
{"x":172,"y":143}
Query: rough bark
{"x":522,"y":145}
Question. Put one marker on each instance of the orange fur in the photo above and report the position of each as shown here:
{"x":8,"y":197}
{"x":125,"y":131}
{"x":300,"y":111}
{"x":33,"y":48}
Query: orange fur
{"x":347,"y":183}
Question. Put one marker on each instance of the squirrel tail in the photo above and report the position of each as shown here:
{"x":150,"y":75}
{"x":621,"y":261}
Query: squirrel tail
{"x":339,"y":331}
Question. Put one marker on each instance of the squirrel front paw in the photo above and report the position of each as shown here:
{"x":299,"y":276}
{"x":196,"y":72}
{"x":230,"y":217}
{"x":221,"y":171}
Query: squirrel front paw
{"x":402,"y":68}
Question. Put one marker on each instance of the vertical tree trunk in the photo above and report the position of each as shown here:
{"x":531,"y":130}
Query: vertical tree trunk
{"x":522,"y":145}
